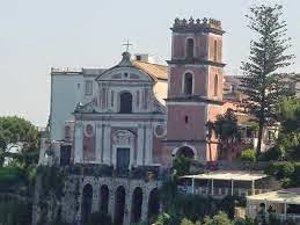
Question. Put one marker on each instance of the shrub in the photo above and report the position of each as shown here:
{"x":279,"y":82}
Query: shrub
{"x":248,"y":155}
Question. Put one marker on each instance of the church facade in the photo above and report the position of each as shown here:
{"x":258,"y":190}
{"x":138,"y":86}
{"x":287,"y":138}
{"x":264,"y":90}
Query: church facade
{"x":119,"y":140}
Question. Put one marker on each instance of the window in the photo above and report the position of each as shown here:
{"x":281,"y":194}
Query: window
{"x":190,"y":48}
{"x":88,"y":87}
{"x":186,"y":119}
{"x":216,"y":84}
{"x":125,"y":102}
{"x":215,"y":50}
{"x":188,"y":84}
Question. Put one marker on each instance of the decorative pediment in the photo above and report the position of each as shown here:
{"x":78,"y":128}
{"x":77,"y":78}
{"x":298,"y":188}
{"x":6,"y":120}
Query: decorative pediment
{"x":123,"y":137}
{"x":124,"y":71}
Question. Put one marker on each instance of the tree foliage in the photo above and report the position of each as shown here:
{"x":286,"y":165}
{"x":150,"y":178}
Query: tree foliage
{"x":248,"y":155}
{"x":220,"y":218}
{"x":19,"y":133}
{"x":263,"y":81}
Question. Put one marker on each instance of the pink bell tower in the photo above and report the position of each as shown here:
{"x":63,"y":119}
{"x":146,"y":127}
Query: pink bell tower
{"x":195,"y":87}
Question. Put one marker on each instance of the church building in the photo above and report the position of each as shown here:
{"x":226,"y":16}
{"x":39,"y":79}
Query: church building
{"x":116,"y":131}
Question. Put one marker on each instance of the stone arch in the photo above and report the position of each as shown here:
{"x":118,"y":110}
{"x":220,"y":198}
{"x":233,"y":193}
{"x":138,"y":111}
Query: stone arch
{"x":153,"y":203}
{"x":86,"y":202}
{"x":119,"y":205}
{"x":136,"y":206}
{"x":185,"y":150}
{"x":104,"y":198}
{"x":125,"y":102}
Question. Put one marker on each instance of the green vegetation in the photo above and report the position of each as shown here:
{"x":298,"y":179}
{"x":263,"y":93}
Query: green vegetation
{"x":263,"y":83}
{"x":14,"y":211}
{"x":18,"y":174}
{"x":248,"y":155}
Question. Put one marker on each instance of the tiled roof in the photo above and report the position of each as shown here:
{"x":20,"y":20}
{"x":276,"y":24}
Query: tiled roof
{"x":156,"y":71}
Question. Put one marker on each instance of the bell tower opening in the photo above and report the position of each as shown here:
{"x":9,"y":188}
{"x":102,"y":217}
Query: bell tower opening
{"x":216,"y":85}
{"x":190,"y":48}
{"x":188,"y":84}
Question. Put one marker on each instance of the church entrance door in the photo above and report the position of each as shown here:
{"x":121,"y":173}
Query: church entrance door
{"x":123,"y":159}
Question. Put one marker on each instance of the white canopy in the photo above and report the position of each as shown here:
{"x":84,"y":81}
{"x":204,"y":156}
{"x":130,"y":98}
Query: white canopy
{"x":288,"y":196}
{"x":227,"y":175}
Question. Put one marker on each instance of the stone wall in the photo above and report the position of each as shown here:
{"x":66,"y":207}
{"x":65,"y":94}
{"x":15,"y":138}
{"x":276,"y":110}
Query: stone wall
{"x":71,"y":205}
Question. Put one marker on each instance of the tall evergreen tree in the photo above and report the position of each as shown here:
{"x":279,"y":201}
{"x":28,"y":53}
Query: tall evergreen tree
{"x":263,"y":81}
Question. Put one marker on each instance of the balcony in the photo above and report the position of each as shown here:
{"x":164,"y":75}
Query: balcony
{"x":140,"y":172}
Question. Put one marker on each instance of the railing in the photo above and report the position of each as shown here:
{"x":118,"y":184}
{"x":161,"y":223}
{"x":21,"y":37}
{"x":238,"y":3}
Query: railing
{"x":140,"y":172}
{"x":289,"y":217}
{"x":219,"y":191}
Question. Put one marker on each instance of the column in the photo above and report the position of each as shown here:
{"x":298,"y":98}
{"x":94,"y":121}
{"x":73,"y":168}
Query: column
{"x":127,"y":213}
{"x":253,"y":187}
{"x":107,"y":157}
{"x":232,"y":186}
{"x":99,"y":140}
{"x":212,"y":187}
{"x":78,"y":143}
{"x":148,"y":144}
{"x":285,"y":209}
{"x":145,"y":205}
{"x":193,"y":185}
{"x":111,"y":201}
{"x":140,"y":145}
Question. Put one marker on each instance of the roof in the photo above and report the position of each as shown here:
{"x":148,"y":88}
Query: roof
{"x":290,"y":196}
{"x":227,"y":175}
{"x":155,"y":70}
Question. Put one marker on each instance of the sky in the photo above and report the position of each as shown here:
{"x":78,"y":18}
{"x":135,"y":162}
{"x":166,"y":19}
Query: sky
{"x":39,"y":34}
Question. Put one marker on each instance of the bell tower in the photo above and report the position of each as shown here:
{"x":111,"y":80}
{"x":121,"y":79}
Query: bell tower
{"x":195,"y":87}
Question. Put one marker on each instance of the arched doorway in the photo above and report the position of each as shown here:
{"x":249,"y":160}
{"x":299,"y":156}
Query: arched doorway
{"x":136,"y":206}
{"x":119,"y":205}
{"x":104,"y":198}
{"x":86,"y":203}
{"x":185,"y":151}
{"x":153,"y":203}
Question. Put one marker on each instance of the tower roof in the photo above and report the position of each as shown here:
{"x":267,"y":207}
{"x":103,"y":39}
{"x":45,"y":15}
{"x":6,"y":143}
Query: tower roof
{"x":198,"y":25}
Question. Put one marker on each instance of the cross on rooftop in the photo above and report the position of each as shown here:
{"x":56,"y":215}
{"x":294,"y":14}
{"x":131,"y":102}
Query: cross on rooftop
{"x":127,"y":44}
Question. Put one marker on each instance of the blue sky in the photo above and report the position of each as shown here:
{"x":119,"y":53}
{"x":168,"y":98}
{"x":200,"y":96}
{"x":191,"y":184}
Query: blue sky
{"x":38,"y":34}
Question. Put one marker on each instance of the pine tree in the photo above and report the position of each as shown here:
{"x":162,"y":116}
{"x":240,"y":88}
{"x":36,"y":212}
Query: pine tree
{"x":263,"y":81}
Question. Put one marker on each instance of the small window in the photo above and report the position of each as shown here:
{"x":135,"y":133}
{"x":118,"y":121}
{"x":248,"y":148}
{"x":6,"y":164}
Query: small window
{"x":88,"y":87}
{"x":186,"y":119}
{"x":126,"y":103}
{"x":190,"y":48}
{"x":215,"y":50}
{"x":188,"y":84}
{"x":216,"y":84}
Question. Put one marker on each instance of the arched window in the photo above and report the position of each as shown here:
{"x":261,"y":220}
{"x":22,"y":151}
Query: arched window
{"x":188,"y":84}
{"x":190,"y":48}
{"x":125,"y":102}
{"x":216,"y":84}
{"x":215,"y":50}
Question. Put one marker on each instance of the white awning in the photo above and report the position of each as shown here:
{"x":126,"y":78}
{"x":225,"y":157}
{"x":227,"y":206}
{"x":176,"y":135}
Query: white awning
{"x":227,"y":175}
{"x":288,"y":196}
